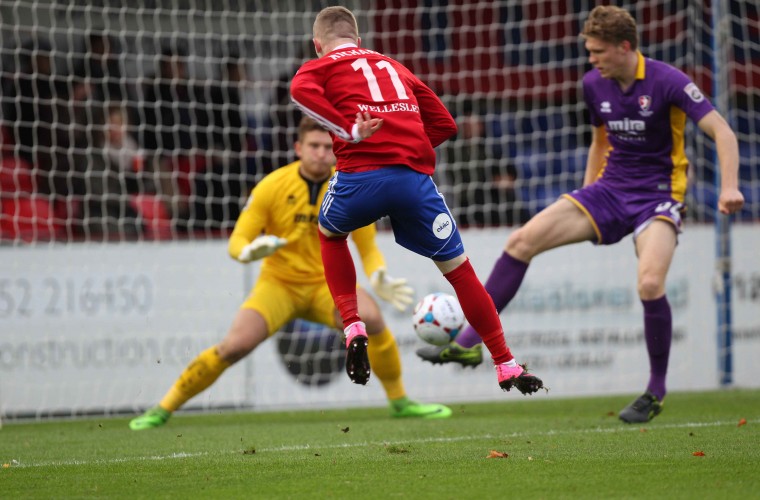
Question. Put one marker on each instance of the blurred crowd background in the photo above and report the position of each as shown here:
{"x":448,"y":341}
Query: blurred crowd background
{"x":154,"y":122}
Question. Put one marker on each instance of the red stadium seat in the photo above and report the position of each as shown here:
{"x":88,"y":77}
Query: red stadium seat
{"x":186,"y":168}
{"x":26,"y":217}
{"x":15,"y":175}
{"x":158,"y":221}
{"x":7,"y":140}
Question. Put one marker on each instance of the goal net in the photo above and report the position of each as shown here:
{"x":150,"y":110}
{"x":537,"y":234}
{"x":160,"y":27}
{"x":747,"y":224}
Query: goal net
{"x":131,"y":136}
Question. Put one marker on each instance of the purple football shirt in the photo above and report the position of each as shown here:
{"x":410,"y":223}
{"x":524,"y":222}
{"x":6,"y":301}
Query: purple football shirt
{"x":645,"y":126}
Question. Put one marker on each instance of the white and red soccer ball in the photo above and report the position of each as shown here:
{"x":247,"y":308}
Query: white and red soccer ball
{"x":438,"y":318}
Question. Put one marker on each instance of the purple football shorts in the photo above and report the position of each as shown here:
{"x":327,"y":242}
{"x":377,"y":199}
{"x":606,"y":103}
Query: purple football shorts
{"x":616,"y":213}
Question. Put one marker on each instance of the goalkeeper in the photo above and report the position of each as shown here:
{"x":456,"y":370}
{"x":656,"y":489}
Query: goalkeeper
{"x":284,"y":207}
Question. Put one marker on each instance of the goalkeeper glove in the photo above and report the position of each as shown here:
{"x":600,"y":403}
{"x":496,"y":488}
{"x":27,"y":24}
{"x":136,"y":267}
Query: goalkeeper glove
{"x":393,"y":290}
{"x":261,"y":247}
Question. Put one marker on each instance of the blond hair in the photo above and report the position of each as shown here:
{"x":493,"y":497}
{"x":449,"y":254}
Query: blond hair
{"x":333,"y":23}
{"x":611,"y":24}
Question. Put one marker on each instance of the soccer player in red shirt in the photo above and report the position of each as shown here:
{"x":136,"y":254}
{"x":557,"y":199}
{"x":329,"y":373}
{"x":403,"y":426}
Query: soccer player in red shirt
{"x":386,"y":122}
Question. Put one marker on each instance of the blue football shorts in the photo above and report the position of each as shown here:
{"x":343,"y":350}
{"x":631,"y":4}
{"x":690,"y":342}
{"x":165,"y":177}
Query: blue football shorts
{"x":419,"y":216}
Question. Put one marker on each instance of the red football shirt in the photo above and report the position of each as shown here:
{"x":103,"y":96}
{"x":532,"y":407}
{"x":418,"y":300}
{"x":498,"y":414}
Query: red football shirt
{"x":333,"y":88}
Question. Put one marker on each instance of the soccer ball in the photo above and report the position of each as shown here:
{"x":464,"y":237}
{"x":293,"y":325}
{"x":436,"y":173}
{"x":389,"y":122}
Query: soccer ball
{"x":438,"y":318}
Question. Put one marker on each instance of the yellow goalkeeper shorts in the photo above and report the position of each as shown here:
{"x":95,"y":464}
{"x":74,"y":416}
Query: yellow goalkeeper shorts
{"x":281,"y":301}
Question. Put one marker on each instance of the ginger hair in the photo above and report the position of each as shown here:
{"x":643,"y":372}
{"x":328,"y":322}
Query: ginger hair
{"x":611,"y":24}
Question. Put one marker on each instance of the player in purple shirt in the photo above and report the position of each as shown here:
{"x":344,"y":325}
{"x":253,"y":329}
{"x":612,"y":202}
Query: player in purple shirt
{"x":635,"y":182}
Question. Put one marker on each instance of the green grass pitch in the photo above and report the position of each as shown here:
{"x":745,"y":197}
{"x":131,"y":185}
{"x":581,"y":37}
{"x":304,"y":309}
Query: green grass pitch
{"x":703,"y":445}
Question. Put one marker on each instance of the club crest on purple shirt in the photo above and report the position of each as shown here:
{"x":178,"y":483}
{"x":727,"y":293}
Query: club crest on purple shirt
{"x":645,"y":102}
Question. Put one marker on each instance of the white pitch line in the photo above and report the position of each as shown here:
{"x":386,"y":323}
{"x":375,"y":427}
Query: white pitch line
{"x":302,"y":447}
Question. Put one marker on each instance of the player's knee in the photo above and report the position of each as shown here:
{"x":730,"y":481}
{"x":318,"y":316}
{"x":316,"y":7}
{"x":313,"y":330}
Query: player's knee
{"x":519,"y":245}
{"x":650,"y":287}
{"x":232,"y":352}
{"x":370,"y":313}
{"x":373,"y":321}
{"x":237,"y":345}
{"x":326,"y":234}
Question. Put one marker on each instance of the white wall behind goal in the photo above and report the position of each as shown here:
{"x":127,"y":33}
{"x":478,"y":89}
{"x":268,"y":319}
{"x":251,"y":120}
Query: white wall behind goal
{"x":108,"y":328}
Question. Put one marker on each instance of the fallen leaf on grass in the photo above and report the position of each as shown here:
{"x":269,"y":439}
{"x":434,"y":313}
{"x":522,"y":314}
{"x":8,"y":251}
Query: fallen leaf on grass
{"x":643,"y":430}
{"x":699,"y":453}
{"x":742,"y":422}
{"x":395,"y":449}
{"x":497,"y":454}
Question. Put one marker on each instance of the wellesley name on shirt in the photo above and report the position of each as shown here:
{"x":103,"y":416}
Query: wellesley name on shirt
{"x":389,"y":108}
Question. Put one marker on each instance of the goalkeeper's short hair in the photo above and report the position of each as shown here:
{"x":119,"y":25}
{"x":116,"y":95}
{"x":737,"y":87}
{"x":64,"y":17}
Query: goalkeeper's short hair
{"x":307,"y":125}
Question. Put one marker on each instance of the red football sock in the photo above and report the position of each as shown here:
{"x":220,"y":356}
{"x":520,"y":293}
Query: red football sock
{"x":479,"y":310}
{"x":340,"y":275}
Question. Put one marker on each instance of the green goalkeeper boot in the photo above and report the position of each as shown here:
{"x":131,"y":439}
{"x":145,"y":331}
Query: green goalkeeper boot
{"x":452,"y":353}
{"x":411,"y":409}
{"x":155,"y":417}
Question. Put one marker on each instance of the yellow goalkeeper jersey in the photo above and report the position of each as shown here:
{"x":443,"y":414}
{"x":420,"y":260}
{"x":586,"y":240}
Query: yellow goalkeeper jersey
{"x":285,"y":204}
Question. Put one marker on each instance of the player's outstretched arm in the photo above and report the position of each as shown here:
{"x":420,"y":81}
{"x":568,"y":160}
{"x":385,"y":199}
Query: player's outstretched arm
{"x":730,"y":199}
{"x":309,"y":96}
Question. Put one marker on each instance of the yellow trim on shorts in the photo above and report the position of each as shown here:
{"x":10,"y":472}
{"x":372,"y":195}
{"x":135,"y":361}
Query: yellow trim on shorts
{"x":591,"y":219}
{"x":667,"y":219}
